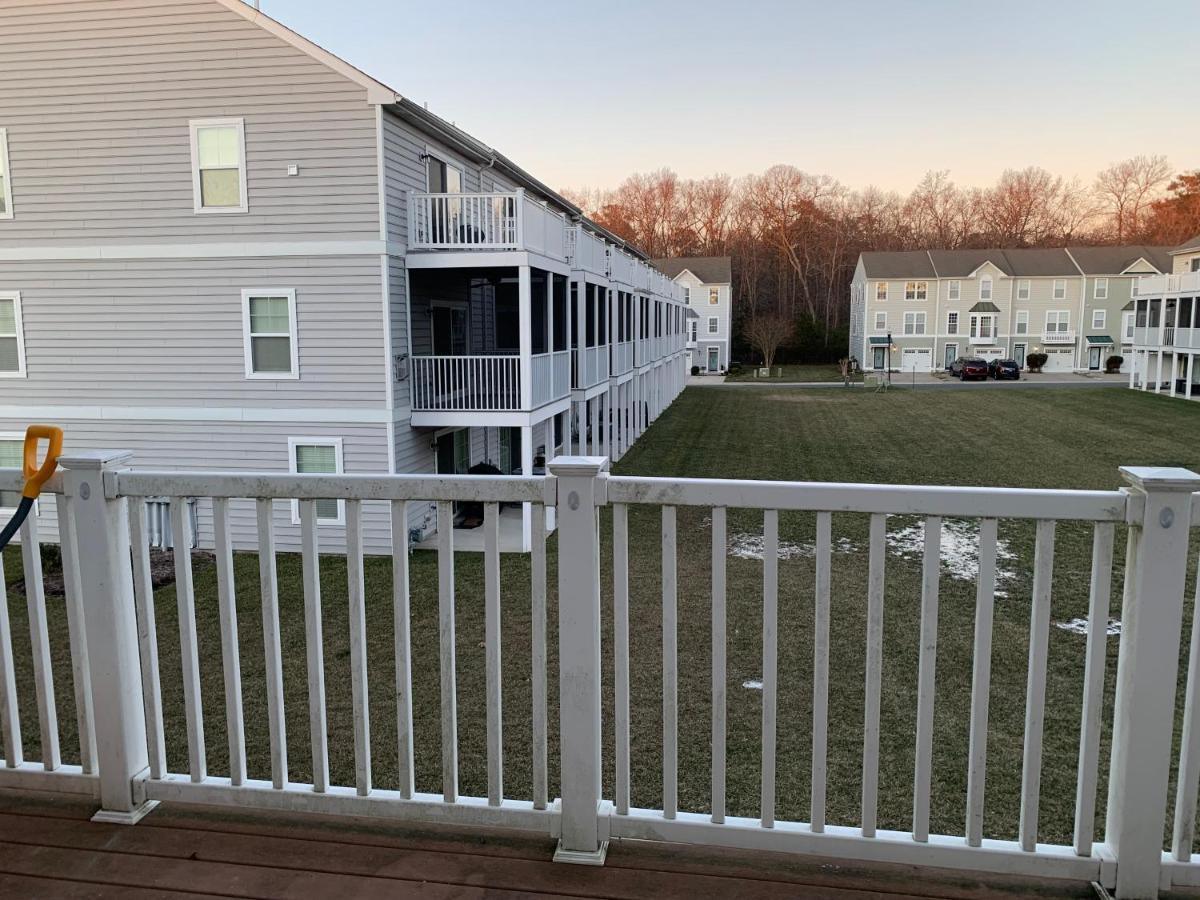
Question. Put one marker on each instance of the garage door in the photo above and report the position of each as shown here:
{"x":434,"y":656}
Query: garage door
{"x":916,"y":361}
{"x":1059,"y":360}
{"x":989,"y":352}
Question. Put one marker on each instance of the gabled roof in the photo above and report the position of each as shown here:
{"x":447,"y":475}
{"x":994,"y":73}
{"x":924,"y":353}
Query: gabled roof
{"x":709,"y":269}
{"x":984,"y":306}
{"x":898,"y":264}
{"x":1189,"y":246}
{"x":1121,"y":260}
{"x":1024,"y":262}
{"x":1037,"y":262}
{"x":964,"y":263}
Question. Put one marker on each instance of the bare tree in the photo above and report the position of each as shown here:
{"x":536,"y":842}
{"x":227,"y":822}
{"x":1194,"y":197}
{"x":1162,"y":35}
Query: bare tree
{"x":1126,"y":189}
{"x":766,"y":332}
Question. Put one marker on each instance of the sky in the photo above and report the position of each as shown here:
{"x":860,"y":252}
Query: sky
{"x":871,"y":92}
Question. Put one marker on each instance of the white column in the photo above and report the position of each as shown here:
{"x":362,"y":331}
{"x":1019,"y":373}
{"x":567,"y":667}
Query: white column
{"x":1145,"y":370}
{"x":1147,"y":671}
{"x":1133,"y":367}
{"x":110,"y":624}
{"x":579,"y":411}
{"x":525,"y":320}
{"x":594,"y":409}
{"x":579,"y":661}
{"x":1187,"y":384}
{"x":526,"y":469}
{"x":1158,"y":376}
{"x":1174,"y":371}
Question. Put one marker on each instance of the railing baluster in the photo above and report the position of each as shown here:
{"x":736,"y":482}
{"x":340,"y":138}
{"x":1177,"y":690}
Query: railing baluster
{"x":403,"y":636}
{"x":1035,"y":696}
{"x":495,"y":673}
{"x":538,"y":642}
{"x":770,"y":653}
{"x":360,"y":697}
{"x":445,"y":527}
{"x":1093,"y":692}
{"x":670,"y":666}
{"x":143,"y":595}
{"x":189,"y":653}
{"x":719,"y":551}
{"x":981,"y":679}
{"x":231,"y":664}
{"x":10,"y":718}
{"x":269,"y":591}
{"x":821,"y":670}
{"x":874,"y":672}
{"x":311,"y":564}
{"x":930,"y":573}
{"x":621,"y":652}
{"x":80,"y":666}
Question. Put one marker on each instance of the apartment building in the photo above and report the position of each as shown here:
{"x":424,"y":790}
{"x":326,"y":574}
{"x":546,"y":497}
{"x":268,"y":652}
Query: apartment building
{"x":919,"y":310}
{"x":222,"y":247}
{"x":1166,"y":329}
{"x":707,"y":283}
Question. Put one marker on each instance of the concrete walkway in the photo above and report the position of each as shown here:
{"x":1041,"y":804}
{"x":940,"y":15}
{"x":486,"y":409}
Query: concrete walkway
{"x":917,"y":380}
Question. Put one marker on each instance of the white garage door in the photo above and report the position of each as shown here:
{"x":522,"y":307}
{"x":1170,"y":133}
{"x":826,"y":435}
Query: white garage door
{"x":989,"y":352}
{"x":916,"y":361}
{"x":1059,"y":360}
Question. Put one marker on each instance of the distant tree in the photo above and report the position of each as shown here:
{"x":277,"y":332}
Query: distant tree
{"x":1175,"y":218}
{"x":1127,"y":188}
{"x":766,"y":332}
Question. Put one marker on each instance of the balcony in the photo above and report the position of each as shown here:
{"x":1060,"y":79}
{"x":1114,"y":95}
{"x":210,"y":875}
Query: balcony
{"x":586,"y":252}
{"x":622,"y":357}
{"x":982,"y":339}
{"x":488,"y":383}
{"x":494,"y":221}
{"x":1157,"y":285}
{"x":1058,"y":337}
{"x":595,"y":366}
{"x":622,"y":267}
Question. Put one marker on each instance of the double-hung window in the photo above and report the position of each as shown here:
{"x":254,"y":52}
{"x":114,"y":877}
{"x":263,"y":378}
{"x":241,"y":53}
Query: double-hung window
{"x":317,"y":456}
{"x":6,"y":210}
{"x":1022,"y":321}
{"x":1058,"y":321}
{"x":916,"y":290}
{"x":985,"y":287}
{"x":269,"y":325}
{"x":1023,"y":289}
{"x":12,"y":456}
{"x":1098,"y":318}
{"x":954,"y":290}
{"x":952,"y":323}
{"x":1127,"y":325}
{"x":881,"y":321}
{"x":692,"y":331}
{"x":914,"y":323}
{"x":983,"y":326}
{"x":219,"y":165}
{"x":12,"y":338}
{"x":1060,"y":289}
{"x":881,"y":291}
{"x":1101,"y":292}
{"x":687,"y":294}
{"x":714,"y":296}
{"x":714,"y":324}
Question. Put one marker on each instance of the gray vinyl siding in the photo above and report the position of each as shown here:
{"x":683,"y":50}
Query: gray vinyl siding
{"x":97,"y":98}
{"x":170,"y":333}
{"x":224,"y":446}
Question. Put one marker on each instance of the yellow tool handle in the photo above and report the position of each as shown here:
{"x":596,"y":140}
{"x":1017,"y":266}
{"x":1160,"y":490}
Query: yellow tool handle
{"x":36,"y":476}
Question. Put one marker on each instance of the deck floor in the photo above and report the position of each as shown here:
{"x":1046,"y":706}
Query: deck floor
{"x":49,"y":848}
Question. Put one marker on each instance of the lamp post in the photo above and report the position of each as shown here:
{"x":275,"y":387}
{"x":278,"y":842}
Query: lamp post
{"x":890,"y":345}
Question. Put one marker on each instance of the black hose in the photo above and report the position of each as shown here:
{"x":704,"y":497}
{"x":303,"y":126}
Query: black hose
{"x":15,"y":523}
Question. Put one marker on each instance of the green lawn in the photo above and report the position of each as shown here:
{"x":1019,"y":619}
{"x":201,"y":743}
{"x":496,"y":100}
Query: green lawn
{"x":794,"y":373}
{"x":1035,"y":438}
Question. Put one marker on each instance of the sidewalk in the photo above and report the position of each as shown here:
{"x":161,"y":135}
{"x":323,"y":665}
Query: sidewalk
{"x":911,"y":379}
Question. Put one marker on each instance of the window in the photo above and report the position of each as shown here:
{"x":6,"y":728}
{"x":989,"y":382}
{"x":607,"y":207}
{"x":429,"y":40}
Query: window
{"x":687,"y":294}
{"x":1022,"y":321}
{"x":714,"y":296}
{"x":914,"y":323}
{"x":6,"y":210}
{"x":1058,"y":321}
{"x":1101,"y":292}
{"x":1060,"y":289}
{"x":881,"y":321}
{"x":12,"y":456}
{"x":219,"y":166}
{"x":1098,"y":318}
{"x":269,"y":325}
{"x":1133,"y":285}
{"x":985,"y":287}
{"x":714,"y":324}
{"x":881,"y":290}
{"x":952,"y":323}
{"x":692,"y":326}
{"x":317,"y":456}
{"x":954,"y":290}
{"x":916,"y":290}
{"x":1127,"y":325}
{"x":1023,"y":289}
{"x":983,"y":326}
{"x":12,"y":339}
{"x":1196,"y":264}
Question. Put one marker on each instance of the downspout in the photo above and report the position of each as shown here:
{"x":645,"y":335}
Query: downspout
{"x":491,"y":165}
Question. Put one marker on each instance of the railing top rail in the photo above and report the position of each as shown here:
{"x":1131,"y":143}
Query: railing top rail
{"x":513,"y":355}
{"x":917,"y":500}
{"x":258,"y":485}
{"x":466,"y":194}
{"x":14,"y":480}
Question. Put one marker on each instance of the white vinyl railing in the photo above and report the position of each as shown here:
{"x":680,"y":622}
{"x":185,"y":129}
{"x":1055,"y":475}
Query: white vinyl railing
{"x":1156,"y":285}
{"x":487,"y":221}
{"x":122,"y":708}
{"x":551,"y":377}
{"x":595,"y":365}
{"x":1059,"y":337}
{"x":586,"y":252}
{"x":466,"y":383}
{"x":622,"y":357}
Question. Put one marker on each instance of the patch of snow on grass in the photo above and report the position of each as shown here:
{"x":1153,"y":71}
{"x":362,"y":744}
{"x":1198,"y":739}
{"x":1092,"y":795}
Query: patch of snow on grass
{"x":1080,"y":626}
{"x":752,"y":684}
{"x":959,"y":550}
{"x":752,"y":546}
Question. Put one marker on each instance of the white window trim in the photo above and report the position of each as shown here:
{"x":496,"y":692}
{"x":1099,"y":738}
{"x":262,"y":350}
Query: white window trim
{"x":714,"y":325}
{"x":450,"y":162}
{"x":336,"y":444}
{"x":1024,"y":289}
{"x":15,"y":297}
{"x":878,"y":314}
{"x":1103,"y":318}
{"x":917,"y":291}
{"x":1099,"y":294}
{"x":954,"y":290}
{"x":884,"y":285}
{"x":6,"y":168}
{"x":917,"y":318}
{"x":1128,"y":323}
{"x":1022,"y":319}
{"x":986,"y":280}
{"x":197,"y":197}
{"x":293,"y":338}
{"x":12,"y":436}
{"x":1054,"y":294}
{"x":714,"y":296}
{"x":957,"y":322}
{"x":1057,"y":313}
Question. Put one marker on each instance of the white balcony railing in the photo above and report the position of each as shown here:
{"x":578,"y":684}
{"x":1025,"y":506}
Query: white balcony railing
{"x":1058,"y":337}
{"x":621,"y":266}
{"x":1157,"y":285}
{"x":492,"y":221}
{"x":466,"y":383}
{"x":551,"y":377}
{"x":586,"y":252}
{"x":595,"y":365}
{"x":133,"y":748}
{"x":984,"y":339}
{"x":622,"y":357}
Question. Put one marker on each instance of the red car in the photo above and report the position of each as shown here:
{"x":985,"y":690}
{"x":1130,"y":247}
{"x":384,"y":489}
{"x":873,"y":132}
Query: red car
{"x":966,"y":368}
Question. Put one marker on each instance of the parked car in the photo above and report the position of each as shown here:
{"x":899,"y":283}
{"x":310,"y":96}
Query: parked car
{"x":968,"y":367}
{"x":1004,"y":369}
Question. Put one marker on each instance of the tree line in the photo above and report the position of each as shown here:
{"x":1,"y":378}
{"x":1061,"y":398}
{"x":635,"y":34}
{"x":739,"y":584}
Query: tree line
{"x":795,"y":237}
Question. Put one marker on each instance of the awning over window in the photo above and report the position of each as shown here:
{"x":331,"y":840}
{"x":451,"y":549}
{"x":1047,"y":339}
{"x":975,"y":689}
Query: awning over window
{"x":691,"y":313}
{"x":879,"y":341}
{"x":1100,"y":340}
{"x":1128,"y":307}
{"x":985,"y":306}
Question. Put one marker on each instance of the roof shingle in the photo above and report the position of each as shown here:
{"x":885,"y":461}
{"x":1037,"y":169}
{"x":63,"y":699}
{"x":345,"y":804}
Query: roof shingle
{"x":709,"y":269}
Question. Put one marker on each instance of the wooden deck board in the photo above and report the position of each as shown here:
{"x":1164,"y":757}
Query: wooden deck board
{"x":51,"y":849}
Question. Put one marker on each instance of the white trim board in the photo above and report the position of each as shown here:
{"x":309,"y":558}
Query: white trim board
{"x":238,"y":250}
{"x":329,"y":415}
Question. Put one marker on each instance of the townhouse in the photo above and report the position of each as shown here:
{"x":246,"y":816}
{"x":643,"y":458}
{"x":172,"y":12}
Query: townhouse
{"x":222,"y":247}
{"x":1166,"y":328}
{"x":918,"y":310}
{"x":707,"y":283}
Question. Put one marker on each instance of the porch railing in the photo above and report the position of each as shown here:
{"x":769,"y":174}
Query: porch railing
{"x":466,"y":383}
{"x":485,"y":221}
{"x":1058,"y":337}
{"x":595,"y":365}
{"x":551,"y":377}
{"x":622,"y":357}
{"x":122,"y":708}
{"x":586,"y":252}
